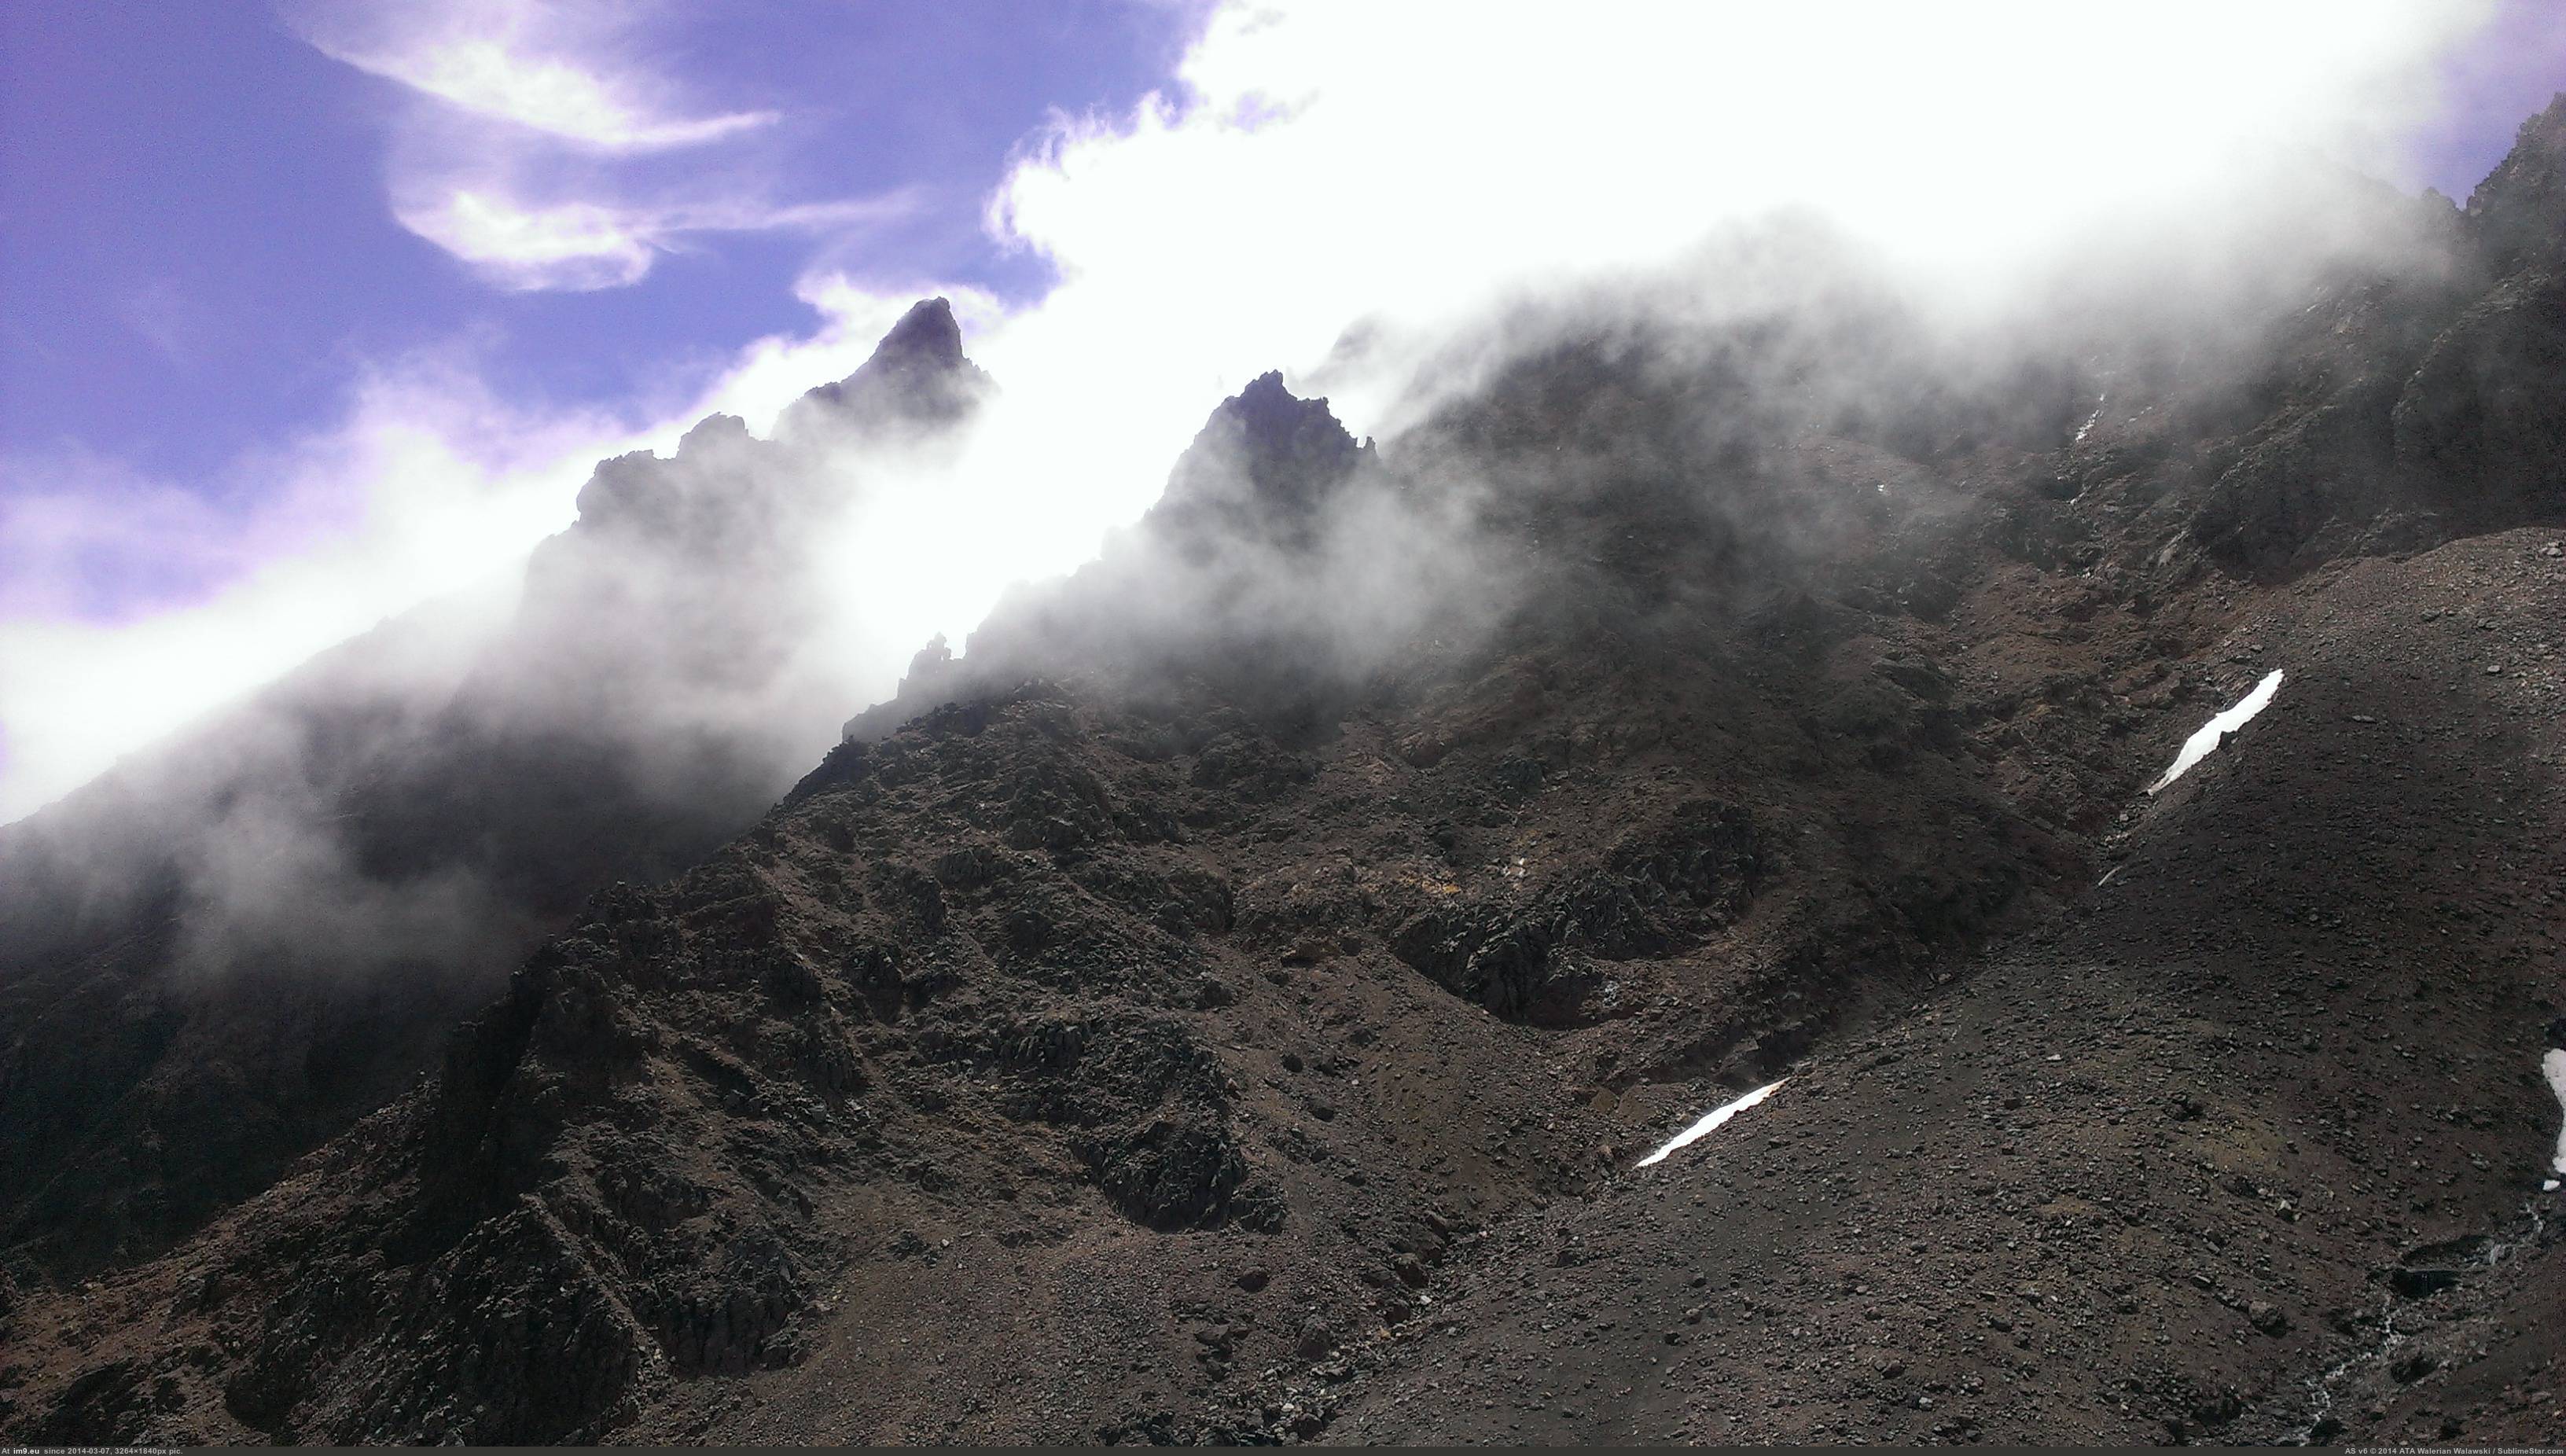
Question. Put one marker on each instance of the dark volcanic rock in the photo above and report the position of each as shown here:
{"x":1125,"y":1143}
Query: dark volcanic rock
{"x":2477,"y":410}
{"x":1228,"y":1001}
{"x":2519,"y":210}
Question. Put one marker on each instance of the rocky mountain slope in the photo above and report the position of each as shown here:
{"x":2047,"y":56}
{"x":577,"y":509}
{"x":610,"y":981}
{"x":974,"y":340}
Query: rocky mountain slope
{"x":232,"y":948}
{"x":1231,"y":999}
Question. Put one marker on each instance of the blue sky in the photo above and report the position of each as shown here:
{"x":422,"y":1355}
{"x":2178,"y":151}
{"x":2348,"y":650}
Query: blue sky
{"x":200,"y":255}
{"x":310,"y":310}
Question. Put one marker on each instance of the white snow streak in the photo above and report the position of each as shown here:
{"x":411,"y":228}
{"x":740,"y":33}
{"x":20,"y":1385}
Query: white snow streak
{"x":2554,"y":1064}
{"x":1710,"y":1123}
{"x":2087,"y":428}
{"x":2197,"y":746}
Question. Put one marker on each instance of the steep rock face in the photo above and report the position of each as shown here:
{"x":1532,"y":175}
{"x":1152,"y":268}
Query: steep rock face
{"x":2478,"y":408}
{"x":2516,"y":210}
{"x":2408,"y":402}
{"x":2324,"y":464}
{"x":232,"y":948}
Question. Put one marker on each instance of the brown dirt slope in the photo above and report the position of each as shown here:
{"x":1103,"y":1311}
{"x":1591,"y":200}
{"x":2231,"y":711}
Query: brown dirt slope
{"x":2250,"y":1141}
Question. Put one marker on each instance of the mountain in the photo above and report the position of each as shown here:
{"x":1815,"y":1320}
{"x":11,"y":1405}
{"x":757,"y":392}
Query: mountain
{"x":235,"y":945}
{"x":1232,"y":998}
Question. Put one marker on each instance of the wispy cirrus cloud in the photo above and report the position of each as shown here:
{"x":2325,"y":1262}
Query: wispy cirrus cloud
{"x":549,"y":69}
{"x":549,"y":95}
{"x":584,"y":246}
{"x":575,"y":246}
{"x":521,"y":151}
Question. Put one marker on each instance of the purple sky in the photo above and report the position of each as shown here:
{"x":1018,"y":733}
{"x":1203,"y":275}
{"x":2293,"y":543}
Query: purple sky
{"x":198,"y":257}
{"x":313,"y":309}
{"x":2510,"y":70}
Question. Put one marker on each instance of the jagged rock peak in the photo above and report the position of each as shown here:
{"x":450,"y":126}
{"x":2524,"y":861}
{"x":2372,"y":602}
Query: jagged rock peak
{"x":917,"y":375}
{"x":712,"y":432}
{"x":1274,"y":419}
{"x":1259,"y":467}
{"x":926,"y":334}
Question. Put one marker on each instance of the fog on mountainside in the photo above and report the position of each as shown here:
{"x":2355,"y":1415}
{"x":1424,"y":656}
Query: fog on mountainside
{"x":286,"y":908}
{"x":1350,"y":867}
{"x":674,"y":662}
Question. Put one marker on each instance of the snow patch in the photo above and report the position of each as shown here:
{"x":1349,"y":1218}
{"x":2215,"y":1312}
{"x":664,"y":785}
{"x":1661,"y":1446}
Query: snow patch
{"x":2087,"y":428}
{"x":1711,"y":1122}
{"x":2197,"y":746}
{"x":2554,"y":1064}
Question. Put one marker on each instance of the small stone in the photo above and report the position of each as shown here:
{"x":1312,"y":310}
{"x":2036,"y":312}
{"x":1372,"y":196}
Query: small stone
{"x":2414,"y":1367}
{"x":1316,"y":1338}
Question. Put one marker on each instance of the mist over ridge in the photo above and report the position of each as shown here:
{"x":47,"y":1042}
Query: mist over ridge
{"x":1428,"y":671}
{"x":1246,"y":217}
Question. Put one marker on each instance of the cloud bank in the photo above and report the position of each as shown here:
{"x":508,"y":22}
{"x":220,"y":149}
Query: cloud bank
{"x":1341,"y":191}
{"x":430,"y":486}
{"x":1344,"y":191}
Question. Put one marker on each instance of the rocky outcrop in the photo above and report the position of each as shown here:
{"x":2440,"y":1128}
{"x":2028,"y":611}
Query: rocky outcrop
{"x":2519,"y":211}
{"x":1262,"y":472}
{"x":2478,"y":409}
{"x":2406,"y":407}
{"x":1217,"y":577}
{"x":918,"y":381}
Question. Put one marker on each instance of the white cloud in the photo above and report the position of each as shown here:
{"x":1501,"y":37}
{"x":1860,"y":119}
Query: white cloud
{"x":1409,"y":166}
{"x":577,"y":245}
{"x":508,"y":157}
{"x":1346,"y":161}
{"x":77,"y":516}
{"x":1402,"y":166}
{"x":428,"y":486}
{"x":528,"y":65}
{"x":551,"y":96}
{"x":581,"y":246}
